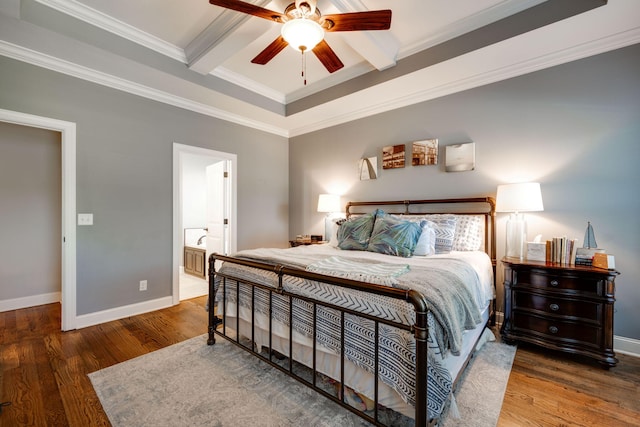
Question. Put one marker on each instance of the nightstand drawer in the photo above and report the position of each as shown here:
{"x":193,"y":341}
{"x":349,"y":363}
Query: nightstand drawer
{"x":538,"y":279}
{"x":567,"y":332}
{"x":570,"y":308}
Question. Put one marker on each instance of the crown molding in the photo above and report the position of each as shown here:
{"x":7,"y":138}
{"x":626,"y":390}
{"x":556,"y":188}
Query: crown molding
{"x":247,"y":83}
{"x":119,"y":28}
{"x":585,"y":50}
{"x":615,"y":41}
{"x":55,"y":64}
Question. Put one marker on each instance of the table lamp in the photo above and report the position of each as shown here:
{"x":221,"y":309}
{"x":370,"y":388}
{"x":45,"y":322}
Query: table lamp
{"x":330,"y":204}
{"x":515,"y":199}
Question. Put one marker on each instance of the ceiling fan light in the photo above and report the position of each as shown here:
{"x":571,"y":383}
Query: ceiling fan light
{"x":302,"y":34}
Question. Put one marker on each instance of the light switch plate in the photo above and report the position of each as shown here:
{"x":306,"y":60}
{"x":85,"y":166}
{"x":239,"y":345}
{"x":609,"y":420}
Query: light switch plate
{"x":85,"y":219}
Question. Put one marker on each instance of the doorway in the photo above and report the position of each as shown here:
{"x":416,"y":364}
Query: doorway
{"x":204,"y":212}
{"x":68,"y":235}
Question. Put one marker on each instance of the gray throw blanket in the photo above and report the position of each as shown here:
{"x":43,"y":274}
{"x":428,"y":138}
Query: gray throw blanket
{"x":371,"y":272}
{"x":445,"y":282}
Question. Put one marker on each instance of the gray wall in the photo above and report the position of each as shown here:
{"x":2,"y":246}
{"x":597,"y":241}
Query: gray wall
{"x":124,"y":177}
{"x":574,"y":128}
{"x":30,"y":211}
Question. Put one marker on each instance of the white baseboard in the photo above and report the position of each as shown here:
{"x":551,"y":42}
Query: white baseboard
{"x":623,"y":345}
{"x":117,"y":313}
{"x":628,"y":346}
{"x":30,"y":301}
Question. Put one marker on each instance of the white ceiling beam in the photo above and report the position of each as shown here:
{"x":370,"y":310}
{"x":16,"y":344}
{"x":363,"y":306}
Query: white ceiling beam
{"x":213,"y":46}
{"x":379,"y":48}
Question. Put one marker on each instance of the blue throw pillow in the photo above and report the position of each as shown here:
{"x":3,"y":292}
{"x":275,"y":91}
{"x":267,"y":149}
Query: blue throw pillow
{"x":394,"y":236}
{"x":354,"y":234}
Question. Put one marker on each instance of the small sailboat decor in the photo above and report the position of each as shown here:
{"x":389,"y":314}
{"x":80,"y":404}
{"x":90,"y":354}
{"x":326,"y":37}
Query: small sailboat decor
{"x":589,"y":237}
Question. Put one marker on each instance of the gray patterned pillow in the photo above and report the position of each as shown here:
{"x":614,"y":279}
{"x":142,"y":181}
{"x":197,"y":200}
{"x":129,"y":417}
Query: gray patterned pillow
{"x":445,"y":228}
{"x":354,"y":233}
{"x":393,"y":236}
{"x":469,"y":233}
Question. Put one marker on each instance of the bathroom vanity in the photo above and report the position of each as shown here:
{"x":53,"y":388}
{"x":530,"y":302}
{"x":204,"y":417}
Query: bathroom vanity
{"x":195,"y":252}
{"x":194,"y":261}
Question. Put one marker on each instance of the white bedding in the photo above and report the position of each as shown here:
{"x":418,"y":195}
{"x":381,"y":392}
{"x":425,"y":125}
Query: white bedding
{"x":327,"y":361}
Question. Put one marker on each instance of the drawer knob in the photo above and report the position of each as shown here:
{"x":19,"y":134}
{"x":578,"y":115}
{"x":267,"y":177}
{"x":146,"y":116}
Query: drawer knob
{"x":554,"y":307}
{"x":553,"y":329}
{"x":554,"y":282}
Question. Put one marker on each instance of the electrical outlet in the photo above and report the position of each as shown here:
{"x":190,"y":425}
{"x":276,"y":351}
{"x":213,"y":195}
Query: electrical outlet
{"x":143,"y":285}
{"x":85,"y":219}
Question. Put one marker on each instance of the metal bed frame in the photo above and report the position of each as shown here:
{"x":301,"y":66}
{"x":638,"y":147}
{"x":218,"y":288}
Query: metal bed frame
{"x":218,"y":326}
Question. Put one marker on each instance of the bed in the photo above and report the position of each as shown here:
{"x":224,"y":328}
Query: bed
{"x":382,"y":319}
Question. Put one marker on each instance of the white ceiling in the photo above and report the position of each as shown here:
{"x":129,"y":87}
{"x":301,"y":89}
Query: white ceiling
{"x":197,"y":56}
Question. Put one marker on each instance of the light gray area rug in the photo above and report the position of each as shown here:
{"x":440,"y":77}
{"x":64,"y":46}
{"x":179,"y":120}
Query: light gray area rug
{"x":193,"y":384}
{"x":481,"y":390}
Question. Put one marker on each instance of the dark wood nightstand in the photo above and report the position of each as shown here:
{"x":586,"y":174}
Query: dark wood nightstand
{"x":294,"y":243}
{"x":559,"y":306}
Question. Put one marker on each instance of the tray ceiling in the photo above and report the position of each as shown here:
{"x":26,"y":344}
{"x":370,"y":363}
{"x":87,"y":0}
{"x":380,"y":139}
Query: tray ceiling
{"x":198,"y":56}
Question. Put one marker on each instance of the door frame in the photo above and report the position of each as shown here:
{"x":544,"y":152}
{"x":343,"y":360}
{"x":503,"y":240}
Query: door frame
{"x":68,"y":238}
{"x":178,"y":151}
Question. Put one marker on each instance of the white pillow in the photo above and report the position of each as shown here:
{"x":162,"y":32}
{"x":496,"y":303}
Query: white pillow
{"x":427,"y":242}
{"x":444,"y":226}
{"x":469,"y":234}
{"x":335,"y":225}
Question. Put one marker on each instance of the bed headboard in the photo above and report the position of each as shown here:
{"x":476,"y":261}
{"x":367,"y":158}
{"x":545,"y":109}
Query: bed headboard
{"x":485,"y":206}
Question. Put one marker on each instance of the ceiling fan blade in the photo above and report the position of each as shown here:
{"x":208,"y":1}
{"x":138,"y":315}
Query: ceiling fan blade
{"x":358,"y":21}
{"x":328,"y":57}
{"x":270,"y":51}
{"x":248,"y":8}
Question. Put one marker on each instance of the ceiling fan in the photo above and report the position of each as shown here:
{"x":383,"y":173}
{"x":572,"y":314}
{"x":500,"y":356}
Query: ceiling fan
{"x":304,"y":28}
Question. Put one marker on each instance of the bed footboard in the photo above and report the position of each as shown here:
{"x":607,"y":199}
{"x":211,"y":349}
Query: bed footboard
{"x":218,"y":326}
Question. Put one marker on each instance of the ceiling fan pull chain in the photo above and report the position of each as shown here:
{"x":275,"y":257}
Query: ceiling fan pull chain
{"x":304,"y":68}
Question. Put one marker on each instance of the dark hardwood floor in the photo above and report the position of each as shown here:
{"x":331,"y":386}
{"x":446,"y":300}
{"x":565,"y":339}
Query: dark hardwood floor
{"x":43,"y":372}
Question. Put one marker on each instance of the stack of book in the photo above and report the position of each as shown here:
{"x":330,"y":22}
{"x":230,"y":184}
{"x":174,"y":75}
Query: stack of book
{"x":562,"y":250}
{"x":584,"y":256}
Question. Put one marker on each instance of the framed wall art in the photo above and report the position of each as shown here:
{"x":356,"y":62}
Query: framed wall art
{"x":460,"y":157}
{"x":424,"y":152}
{"x":368,"y":168}
{"x":393,"y":156}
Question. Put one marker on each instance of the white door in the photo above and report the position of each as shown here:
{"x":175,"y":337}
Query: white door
{"x":218,"y":209}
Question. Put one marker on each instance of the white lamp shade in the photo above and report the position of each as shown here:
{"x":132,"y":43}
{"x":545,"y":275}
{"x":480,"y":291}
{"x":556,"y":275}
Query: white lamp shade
{"x":302,"y":34}
{"x":524,"y":197}
{"x":329,"y":203}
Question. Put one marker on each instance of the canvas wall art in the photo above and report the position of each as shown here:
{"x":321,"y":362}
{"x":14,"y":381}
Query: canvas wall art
{"x":368,"y":168}
{"x":460,"y":157}
{"x":393,"y":156}
{"x":425,"y":152}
